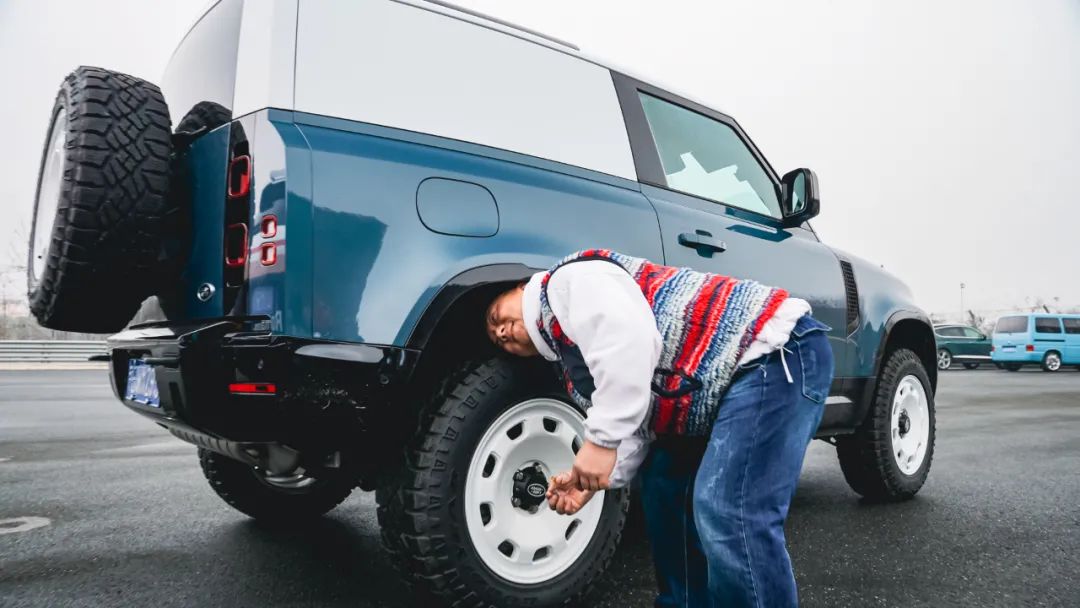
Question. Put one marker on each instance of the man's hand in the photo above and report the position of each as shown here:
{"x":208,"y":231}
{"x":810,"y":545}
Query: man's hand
{"x":564,"y":498}
{"x":593,"y":467}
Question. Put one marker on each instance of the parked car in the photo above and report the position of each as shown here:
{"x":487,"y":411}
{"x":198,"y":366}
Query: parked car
{"x":961,"y":343}
{"x":1048,"y":340}
{"x":308,"y":256}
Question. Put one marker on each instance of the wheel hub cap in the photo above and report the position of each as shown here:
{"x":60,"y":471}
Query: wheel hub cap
{"x":905,"y":423}
{"x":529,"y":488}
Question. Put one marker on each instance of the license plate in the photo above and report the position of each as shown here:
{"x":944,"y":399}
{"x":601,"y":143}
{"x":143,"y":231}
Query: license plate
{"x":142,"y":384}
{"x":1008,"y":349}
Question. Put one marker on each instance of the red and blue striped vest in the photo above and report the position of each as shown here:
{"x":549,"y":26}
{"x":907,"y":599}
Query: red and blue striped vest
{"x":706,"y":322}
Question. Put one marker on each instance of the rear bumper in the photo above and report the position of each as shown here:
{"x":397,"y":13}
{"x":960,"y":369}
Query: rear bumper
{"x":326,"y":393}
{"x":1020,"y":356}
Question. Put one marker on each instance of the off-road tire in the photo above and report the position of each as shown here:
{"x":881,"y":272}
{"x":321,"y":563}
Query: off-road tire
{"x":971,"y":366}
{"x":113,"y":195}
{"x":866,"y":457}
{"x":238,"y":485}
{"x":421,"y":512}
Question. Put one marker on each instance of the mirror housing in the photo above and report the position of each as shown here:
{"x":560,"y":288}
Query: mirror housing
{"x":800,"y":202}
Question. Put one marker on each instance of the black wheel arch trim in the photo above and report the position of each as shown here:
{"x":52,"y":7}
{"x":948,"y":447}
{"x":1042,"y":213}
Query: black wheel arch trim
{"x":456,"y":287}
{"x":890,"y":325}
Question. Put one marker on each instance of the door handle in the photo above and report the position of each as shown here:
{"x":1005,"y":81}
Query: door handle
{"x":704,"y":242}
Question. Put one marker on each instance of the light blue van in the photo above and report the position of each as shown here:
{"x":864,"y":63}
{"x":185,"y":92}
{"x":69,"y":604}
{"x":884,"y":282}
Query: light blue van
{"x":1047,"y":339}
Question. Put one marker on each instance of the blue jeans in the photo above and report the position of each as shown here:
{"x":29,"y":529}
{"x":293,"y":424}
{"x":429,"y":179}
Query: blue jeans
{"x":715,"y":509}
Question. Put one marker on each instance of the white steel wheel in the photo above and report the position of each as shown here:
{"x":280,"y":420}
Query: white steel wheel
{"x":48,"y":196}
{"x":910,"y":425}
{"x":1052,"y":362}
{"x":944,"y":359}
{"x":511,"y":527}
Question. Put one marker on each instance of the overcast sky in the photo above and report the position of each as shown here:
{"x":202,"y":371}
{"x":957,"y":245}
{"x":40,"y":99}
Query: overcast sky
{"x":945,"y":133}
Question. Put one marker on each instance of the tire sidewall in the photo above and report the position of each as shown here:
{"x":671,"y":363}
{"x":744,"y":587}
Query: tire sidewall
{"x":482,"y":411}
{"x":907,"y":484}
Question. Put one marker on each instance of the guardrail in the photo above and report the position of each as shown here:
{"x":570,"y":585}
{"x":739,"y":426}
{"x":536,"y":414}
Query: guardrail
{"x":49,"y":351}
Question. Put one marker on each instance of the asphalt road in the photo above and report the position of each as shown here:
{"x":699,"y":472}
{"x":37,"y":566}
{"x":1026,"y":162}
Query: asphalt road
{"x":131,"y":522}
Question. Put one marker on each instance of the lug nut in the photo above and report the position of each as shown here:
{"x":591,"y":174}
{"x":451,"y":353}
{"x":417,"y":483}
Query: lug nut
{"x":516,"y":502}
{"x":519,"y":476}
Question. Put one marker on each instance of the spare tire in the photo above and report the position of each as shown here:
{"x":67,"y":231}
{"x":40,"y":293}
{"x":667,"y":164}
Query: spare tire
{"x":102,"y":196}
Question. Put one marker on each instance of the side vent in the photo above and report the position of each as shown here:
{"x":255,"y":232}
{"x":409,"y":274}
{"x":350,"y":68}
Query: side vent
{"x":851,"y":291}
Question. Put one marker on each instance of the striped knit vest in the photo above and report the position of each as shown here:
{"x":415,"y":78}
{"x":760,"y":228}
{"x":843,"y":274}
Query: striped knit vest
{"x":706,"y":322}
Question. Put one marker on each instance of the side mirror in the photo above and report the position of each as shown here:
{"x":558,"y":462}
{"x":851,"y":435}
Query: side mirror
{"x":800,"y":197}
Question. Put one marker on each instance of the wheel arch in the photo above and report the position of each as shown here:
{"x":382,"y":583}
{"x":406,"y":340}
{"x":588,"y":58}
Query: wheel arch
{"x":912,"y":330}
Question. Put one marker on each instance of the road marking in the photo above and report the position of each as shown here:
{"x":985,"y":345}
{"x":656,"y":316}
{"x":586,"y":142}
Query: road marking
{"x":22,"y":524}
{"x":147,"y":447}
{"x":4,"y":459}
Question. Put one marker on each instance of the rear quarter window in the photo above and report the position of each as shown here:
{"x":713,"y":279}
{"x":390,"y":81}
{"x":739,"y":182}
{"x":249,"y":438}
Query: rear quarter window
{"x":1011,"y":325}
{"x":1047,"y":325}
{"x":1072,"y":326}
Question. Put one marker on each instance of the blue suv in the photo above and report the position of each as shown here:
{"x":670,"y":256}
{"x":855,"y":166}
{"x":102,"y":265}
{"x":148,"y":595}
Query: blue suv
{"x":295,"y":237}
{"x":1048,"y":340}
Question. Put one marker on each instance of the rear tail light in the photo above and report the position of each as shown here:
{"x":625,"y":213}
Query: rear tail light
{"x":240,"y":176}
{"x":1030,"y":348}
{"x":268,"y":254}
{"x":253,"y":388}
{"x":268,"y":226}
{"x":992,"y":348}
{"x":236,"y":247}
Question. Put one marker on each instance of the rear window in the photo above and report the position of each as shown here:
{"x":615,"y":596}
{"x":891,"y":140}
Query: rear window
{"x":1047,"y":325}
{"x":1072,"y":326}
{"x":1011,"y":325}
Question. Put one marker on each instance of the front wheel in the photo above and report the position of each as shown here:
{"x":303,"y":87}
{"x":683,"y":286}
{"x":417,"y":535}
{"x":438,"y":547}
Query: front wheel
{"x":468,"y":521}
{"x":1051,"y":362}
{"x":889,"y":455}
{"x":944,"y":359}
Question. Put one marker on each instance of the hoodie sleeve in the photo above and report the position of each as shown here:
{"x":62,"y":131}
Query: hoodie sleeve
{"x":603,"y":311}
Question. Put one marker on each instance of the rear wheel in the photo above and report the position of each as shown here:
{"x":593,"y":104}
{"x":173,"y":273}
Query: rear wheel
{"x":889,"y":456}
{"x":944,"y":358}
{"x":1051,"y":362}
{"x":276,"y":498}
{"x":100,"y":202}
{"x":468,"y":522}
{"x":971,"y":366}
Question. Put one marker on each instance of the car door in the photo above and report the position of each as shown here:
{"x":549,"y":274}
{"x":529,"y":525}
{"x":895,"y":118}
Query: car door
{"x":975,"y":343}
{"x":1072,"y":340}
{"x":718,"y":203}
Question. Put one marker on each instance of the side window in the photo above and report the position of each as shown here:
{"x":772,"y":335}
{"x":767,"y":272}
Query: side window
{"x":1072,"y":326}
{"x":949,"y":332}
{"x":706,"y":158}
{"x":971,"y":333}
{"x":1047,"y":325}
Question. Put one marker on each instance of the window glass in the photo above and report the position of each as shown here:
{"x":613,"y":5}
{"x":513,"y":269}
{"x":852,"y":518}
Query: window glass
{"x":971,"y":333}
{"x":948,"y":332}
{"x":1047,"y":325}
{"x":1011,"y":325}
{"x":1072,"y":326}
{"x":706,"y":158}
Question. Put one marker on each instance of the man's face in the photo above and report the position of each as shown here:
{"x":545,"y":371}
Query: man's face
{"x":506,"y":324}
